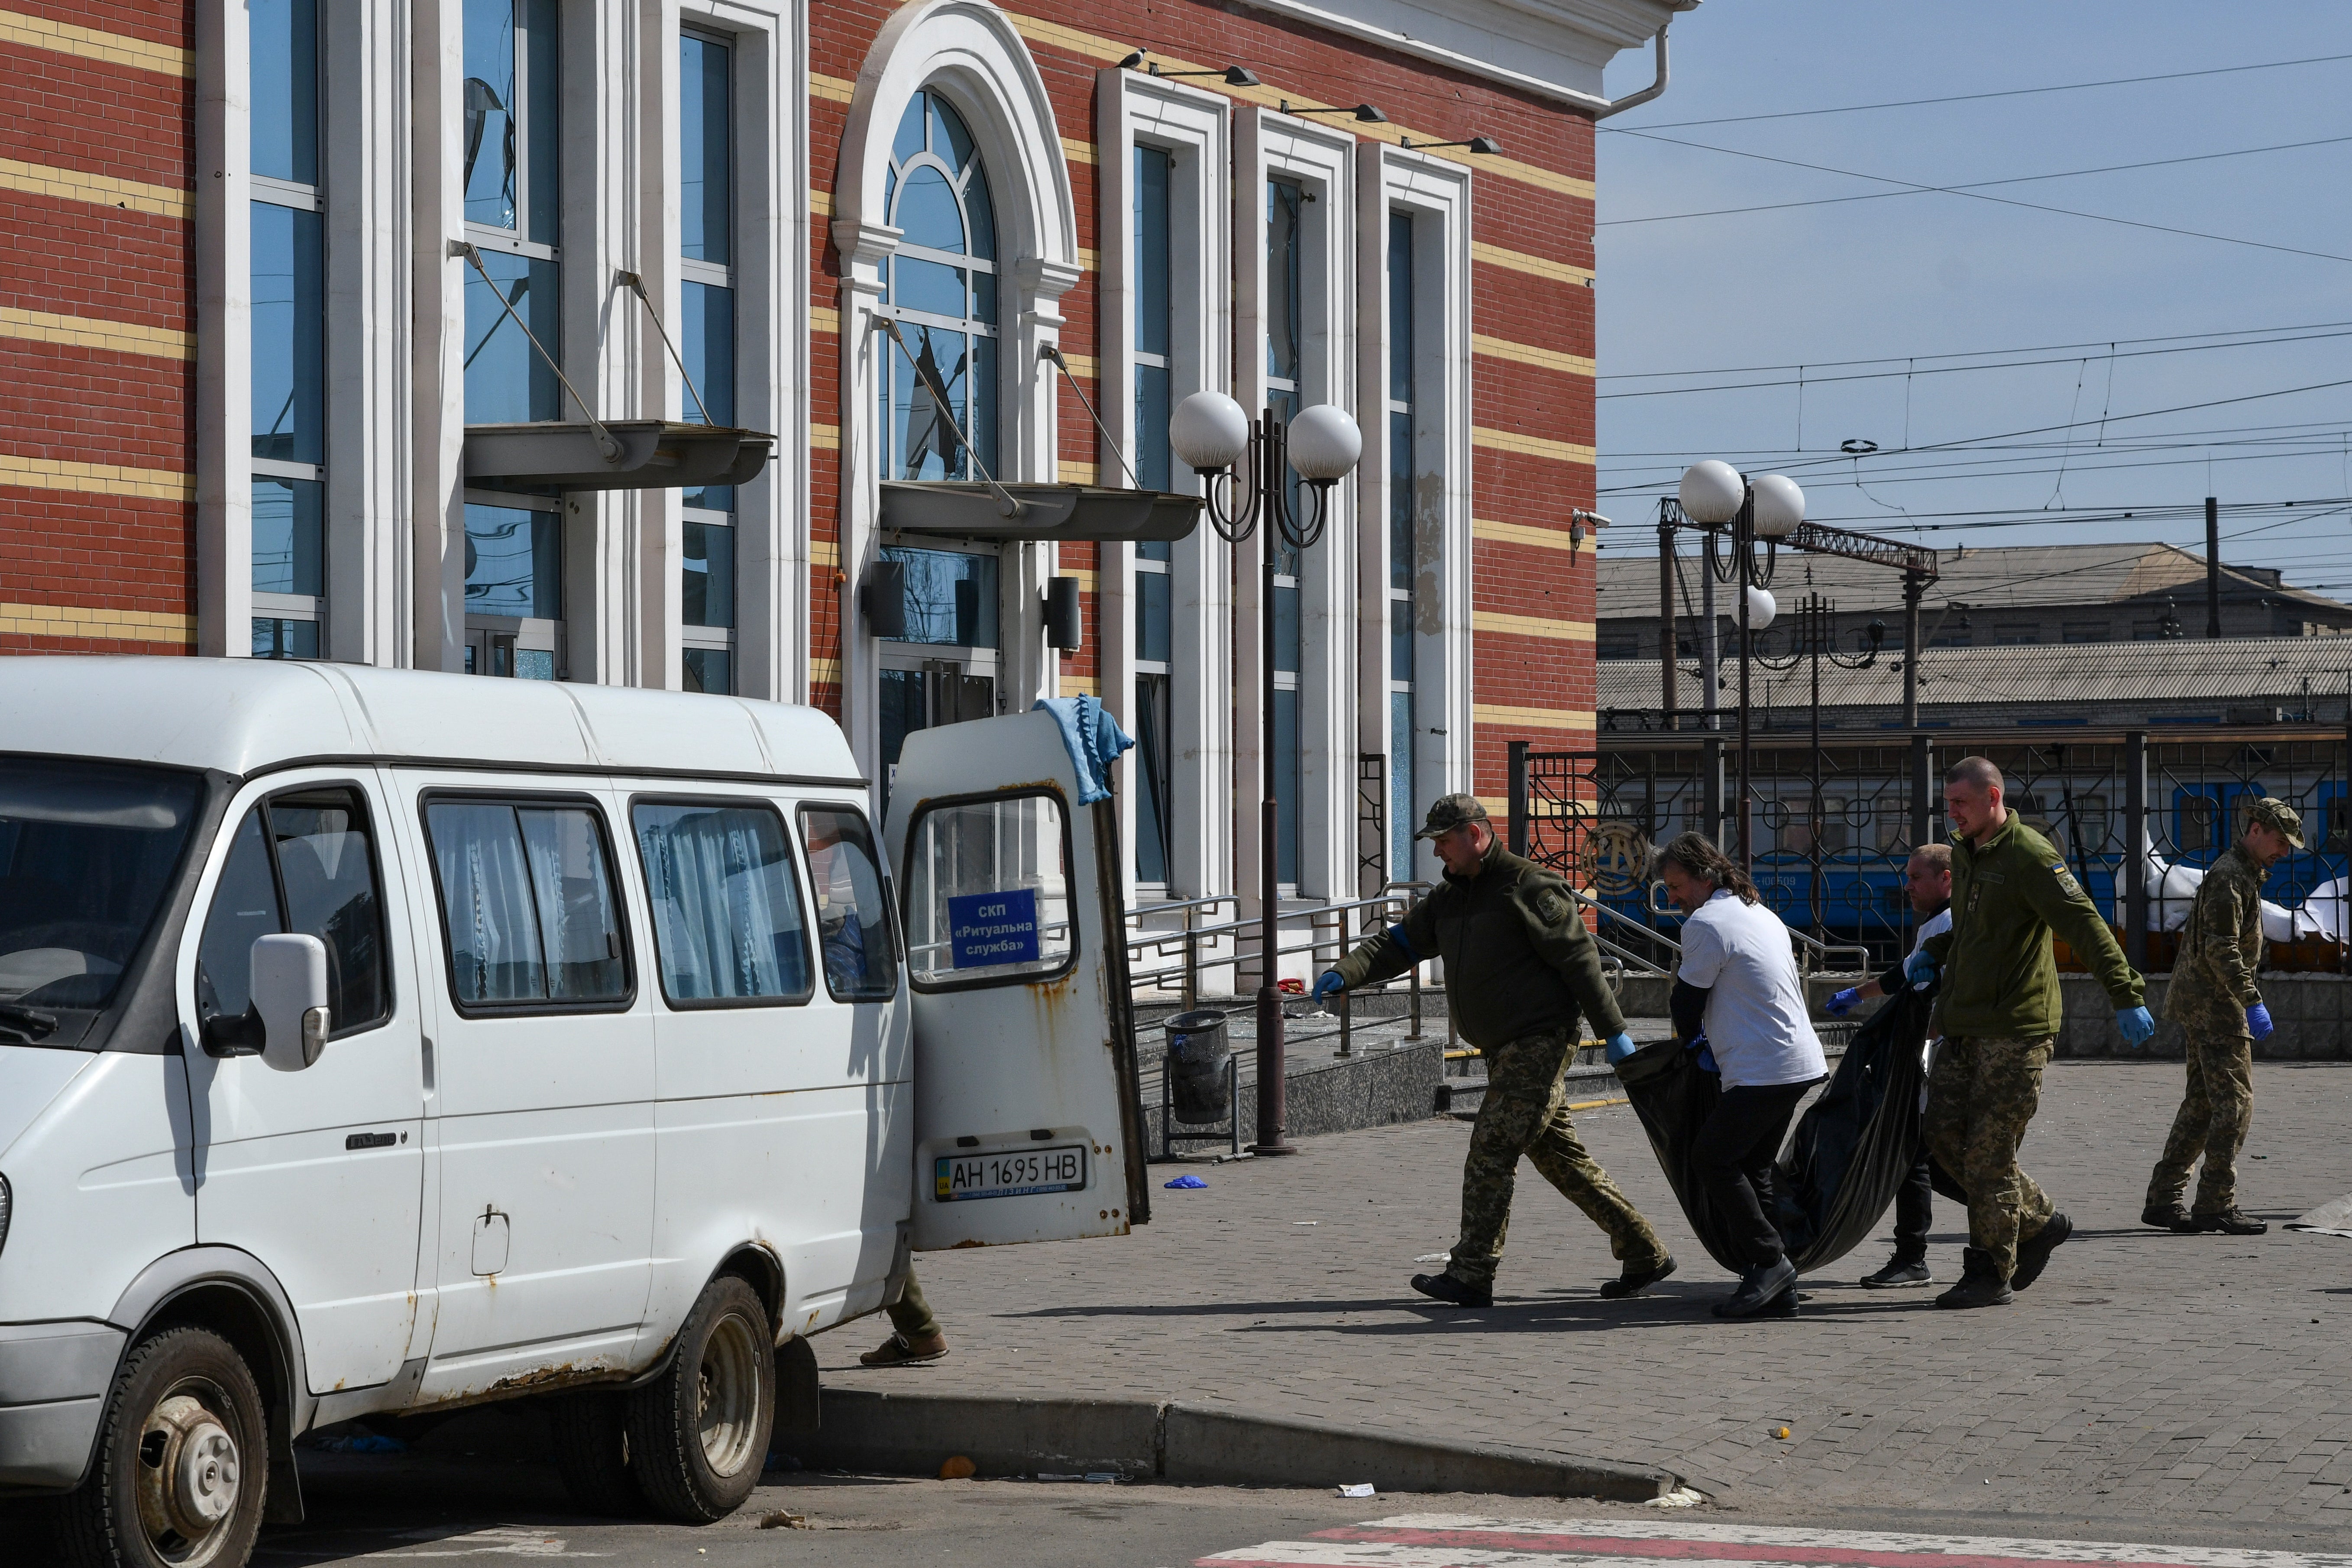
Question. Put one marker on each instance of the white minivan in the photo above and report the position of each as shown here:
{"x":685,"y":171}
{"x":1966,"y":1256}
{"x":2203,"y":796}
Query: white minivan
{"x":376,"y":1042}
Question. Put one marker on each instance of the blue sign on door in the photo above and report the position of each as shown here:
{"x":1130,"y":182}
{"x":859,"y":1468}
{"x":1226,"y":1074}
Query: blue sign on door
{"x":994,"y":928}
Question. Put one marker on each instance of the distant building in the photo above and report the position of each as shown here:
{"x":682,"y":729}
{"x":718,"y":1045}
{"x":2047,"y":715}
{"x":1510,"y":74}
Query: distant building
{"x":2007,"y":596}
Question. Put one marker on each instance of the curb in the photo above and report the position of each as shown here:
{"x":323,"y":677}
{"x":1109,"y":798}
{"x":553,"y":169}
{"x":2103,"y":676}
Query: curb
{"x":1185,"y":1444}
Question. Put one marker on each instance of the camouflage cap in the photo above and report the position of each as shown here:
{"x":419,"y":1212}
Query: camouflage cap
{"x":1450,"y":812}
{"x":2277,"y":815}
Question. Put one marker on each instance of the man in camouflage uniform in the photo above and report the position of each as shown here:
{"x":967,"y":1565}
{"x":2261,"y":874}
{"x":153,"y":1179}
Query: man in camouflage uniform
{"x":1998,"y":1010}
{"x":1520,"y":966}
{"x":2220,"y":1014}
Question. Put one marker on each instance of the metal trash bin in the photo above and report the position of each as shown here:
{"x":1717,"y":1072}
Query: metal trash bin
{"x":1199,"y":1056}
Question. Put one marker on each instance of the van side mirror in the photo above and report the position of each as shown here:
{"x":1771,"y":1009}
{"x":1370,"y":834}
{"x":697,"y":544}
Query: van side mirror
{"x":289,"y":996}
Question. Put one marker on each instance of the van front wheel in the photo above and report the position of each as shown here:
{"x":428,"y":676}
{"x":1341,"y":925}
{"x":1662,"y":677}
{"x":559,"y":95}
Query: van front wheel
{"x":699,"y":1433}
{"x":183,"y":1456}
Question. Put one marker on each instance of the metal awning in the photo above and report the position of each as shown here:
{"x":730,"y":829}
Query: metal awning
{"x":968,"y":509}
{"x":617,"y":455}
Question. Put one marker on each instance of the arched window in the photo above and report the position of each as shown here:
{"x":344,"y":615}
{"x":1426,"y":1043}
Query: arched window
{"x":942,"y":287}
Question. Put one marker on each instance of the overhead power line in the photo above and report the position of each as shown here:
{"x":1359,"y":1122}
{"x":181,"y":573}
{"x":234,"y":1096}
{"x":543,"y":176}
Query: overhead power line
{"x":2259,"y":333}
{"x":1976,"y":97}
{"x":1999,"y":201}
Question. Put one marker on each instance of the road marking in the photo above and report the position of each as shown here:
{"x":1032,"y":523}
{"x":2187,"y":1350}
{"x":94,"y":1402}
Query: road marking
{"x":1453,"y":1541}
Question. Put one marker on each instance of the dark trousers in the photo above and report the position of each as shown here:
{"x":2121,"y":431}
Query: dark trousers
{"x":1733,"y":1157}
{"x":1915,"y":1209}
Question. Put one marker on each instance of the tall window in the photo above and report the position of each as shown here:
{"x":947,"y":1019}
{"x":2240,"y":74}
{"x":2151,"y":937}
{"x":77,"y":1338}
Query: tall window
{"x":1284,"y":350}
{"x":941,"y":288}
{"x":706,"y":145}
{"x":288,"y":332}
{"x":512,"y":177}
{"x":1154,"y":334}
{"x":1402,"y":546}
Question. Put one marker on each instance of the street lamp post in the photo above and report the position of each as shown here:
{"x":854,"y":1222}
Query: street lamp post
{"x":1211,"y":434}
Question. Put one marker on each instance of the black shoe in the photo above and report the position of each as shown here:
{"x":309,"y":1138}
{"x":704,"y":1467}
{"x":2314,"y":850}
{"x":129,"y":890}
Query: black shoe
{"x":1978,"y":1286}
{"x":1900,"y":1270}
{"x":1453,"y":1292}
{"x":1760,"y":1289}
{"x":2033,"y":1255}
{"x":2167,"y":1217}
{"x":1634,"y":1281}
{"x":2231,"y":1221}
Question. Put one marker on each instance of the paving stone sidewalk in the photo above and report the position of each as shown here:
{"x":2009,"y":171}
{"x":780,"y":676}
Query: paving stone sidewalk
{"x":2148,"y":1377}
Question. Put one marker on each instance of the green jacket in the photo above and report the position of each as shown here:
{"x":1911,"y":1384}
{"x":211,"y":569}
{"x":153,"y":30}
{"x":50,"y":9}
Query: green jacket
{"x":2000,"y":977}
{"x":1517,"y":958}
{"x":2222,"y":946}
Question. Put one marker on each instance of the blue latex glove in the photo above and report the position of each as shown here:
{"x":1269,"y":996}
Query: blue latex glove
{"x":1920,"y":968}
{"x":2258,"y":1020}
{"x":2138,"y":1026}
{"x":1842,"y":1002}
{"x":1328,"y":983}
{"x":1620,"y":1046}
{"x":1707,"y":1058}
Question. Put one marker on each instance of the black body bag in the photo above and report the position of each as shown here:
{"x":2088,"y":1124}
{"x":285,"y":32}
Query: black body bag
{"x":1851,"y":1149}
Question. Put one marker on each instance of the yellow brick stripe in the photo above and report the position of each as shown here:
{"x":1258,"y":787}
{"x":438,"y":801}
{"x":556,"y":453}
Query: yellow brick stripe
{"x":1530,"y":446}
{"x":1071,"y":473}
{"x":832,"y":88}
{"x":1083,"y":366}
{"x":1077,"y":152}
{"x":824,"y":319}
{"x":1530,"y":626}
{"x":1520,"y":534}
{"x":96,"y":625}
{"x":823,"y":553}
{"x":1527,"y":353}
{"x":73,"y":185}
{"x":821,"y":202}
{"x":1528,"y":717}
{"x":1093,"y":47}
{"x":89,"y":332}
{"x":824,"y":672}
{"x":95,"y":478}
{"x":90,"y":44}
{"x":1081,"y":686}
{"x":825,"y":438}
{"x":1533,"y":266}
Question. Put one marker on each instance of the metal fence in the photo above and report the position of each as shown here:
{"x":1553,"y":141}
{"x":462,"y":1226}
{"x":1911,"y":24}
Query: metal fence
{"x":2137,"y":813}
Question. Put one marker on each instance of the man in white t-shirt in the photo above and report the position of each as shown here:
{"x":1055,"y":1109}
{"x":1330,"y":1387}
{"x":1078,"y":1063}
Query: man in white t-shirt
{"x":1738,"y":988}
{"x":1927,"y":879}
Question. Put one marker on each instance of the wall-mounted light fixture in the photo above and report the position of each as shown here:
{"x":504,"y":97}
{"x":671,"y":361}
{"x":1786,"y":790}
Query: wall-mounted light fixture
{"x":1065,"y":622}
{"x":1364,"y":112}
{"x":1581,"y":523}
{"x":1233,"y":76}
{"x":1482,"y":144}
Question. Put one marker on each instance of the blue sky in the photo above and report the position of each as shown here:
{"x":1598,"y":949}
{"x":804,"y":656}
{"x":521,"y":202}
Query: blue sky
{"x":1903,"y":280}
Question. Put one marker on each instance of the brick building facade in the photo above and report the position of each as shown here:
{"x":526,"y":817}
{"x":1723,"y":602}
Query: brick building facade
{"x":272,"y":261}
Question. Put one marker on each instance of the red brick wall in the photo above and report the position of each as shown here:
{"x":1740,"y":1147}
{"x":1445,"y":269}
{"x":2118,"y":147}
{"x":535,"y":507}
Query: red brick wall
{"x":73,"y":403}
{"x":1514,"y":671}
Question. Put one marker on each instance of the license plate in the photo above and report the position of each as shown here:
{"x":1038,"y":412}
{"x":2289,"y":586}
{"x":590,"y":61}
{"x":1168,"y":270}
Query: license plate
{"x":1011,"y":1173}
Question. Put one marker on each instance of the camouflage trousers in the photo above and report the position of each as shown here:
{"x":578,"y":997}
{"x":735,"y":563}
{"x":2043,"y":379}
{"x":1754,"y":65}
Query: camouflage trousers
{"x":1525,"y":1111}
{"x":1981,"y":1093}
{"x":2212,"y":1121}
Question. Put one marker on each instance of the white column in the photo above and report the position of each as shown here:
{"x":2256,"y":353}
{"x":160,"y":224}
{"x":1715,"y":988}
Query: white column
{"x":438,"y":380}
{"x":224,"y":334}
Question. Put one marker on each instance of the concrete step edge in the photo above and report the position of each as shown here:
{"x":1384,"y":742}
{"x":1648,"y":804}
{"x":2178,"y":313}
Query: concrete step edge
{"x":1168,"y":1440}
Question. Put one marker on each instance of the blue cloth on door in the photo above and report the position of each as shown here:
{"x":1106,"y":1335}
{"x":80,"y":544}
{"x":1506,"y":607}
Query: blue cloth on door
{"x":1094,"y":739}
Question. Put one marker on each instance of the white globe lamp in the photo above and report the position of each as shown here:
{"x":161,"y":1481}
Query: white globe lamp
{"x":1324,"y":444}
{"x":1761,"y":608}
{"x":1208,"y":431}
{"x":1780,"y":506}
{"x":1711,"y":492}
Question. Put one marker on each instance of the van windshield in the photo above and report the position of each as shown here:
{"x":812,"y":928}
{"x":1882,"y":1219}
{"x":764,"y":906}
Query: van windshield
{"x":87,"y":852}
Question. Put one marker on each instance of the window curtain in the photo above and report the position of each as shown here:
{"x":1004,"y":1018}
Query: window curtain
{"x":728,"y":921}
{"x":486,"y":889}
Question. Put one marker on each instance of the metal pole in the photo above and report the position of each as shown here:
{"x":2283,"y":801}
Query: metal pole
{"x":1517,"y":805}
{"x":1709,"y":669}
{"x":2136,"y":848}
{"x":1668,"y":662}
{"x":1914,"y":588}
{"x":2212,"y":567}
{"x":1712,"y":784}
{"x":1813,"y":606}
{"x":1270,"y":1086}
{"x":1743,"y":545}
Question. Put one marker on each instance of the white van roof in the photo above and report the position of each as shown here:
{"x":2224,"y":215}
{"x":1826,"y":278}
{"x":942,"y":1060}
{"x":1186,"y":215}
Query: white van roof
{"x":244,"y":716}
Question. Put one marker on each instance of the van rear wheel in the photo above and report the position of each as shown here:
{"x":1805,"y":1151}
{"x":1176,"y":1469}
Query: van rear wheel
{"x":699,"y":1433}
{"x":182,"y":1459}
{"x":591,"y":1433}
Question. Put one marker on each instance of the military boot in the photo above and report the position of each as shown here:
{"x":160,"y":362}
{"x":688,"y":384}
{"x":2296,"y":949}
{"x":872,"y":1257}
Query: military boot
{"x":1978,"y":1286}
{"x":2231,"y":1221}
{"x":2167,"y":1217}
{"x":1453,"y":1292}
{"x":2033,"y":1254}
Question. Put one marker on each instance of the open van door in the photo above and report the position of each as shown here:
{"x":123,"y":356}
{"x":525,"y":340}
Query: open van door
{"x":1028,"y":1113}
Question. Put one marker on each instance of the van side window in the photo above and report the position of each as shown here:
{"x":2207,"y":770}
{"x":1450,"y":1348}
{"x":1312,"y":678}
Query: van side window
{"x":988,"y":892}
{"x":302,"y":862}
{"x":852,"y":920}
{"x":527,"y":905}
{"x":726,"y":905}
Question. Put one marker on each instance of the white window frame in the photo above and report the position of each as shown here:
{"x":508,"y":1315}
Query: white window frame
{"x":1322,"y":160}
{"x":1437,"y":192}
{"x":533,"y":632}
{"x":1193,"y":126}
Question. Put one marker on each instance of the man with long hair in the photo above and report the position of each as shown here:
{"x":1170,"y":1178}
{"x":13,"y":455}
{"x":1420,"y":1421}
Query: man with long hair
{"x":1520,"y":966}
{"x":1738,"y":989}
